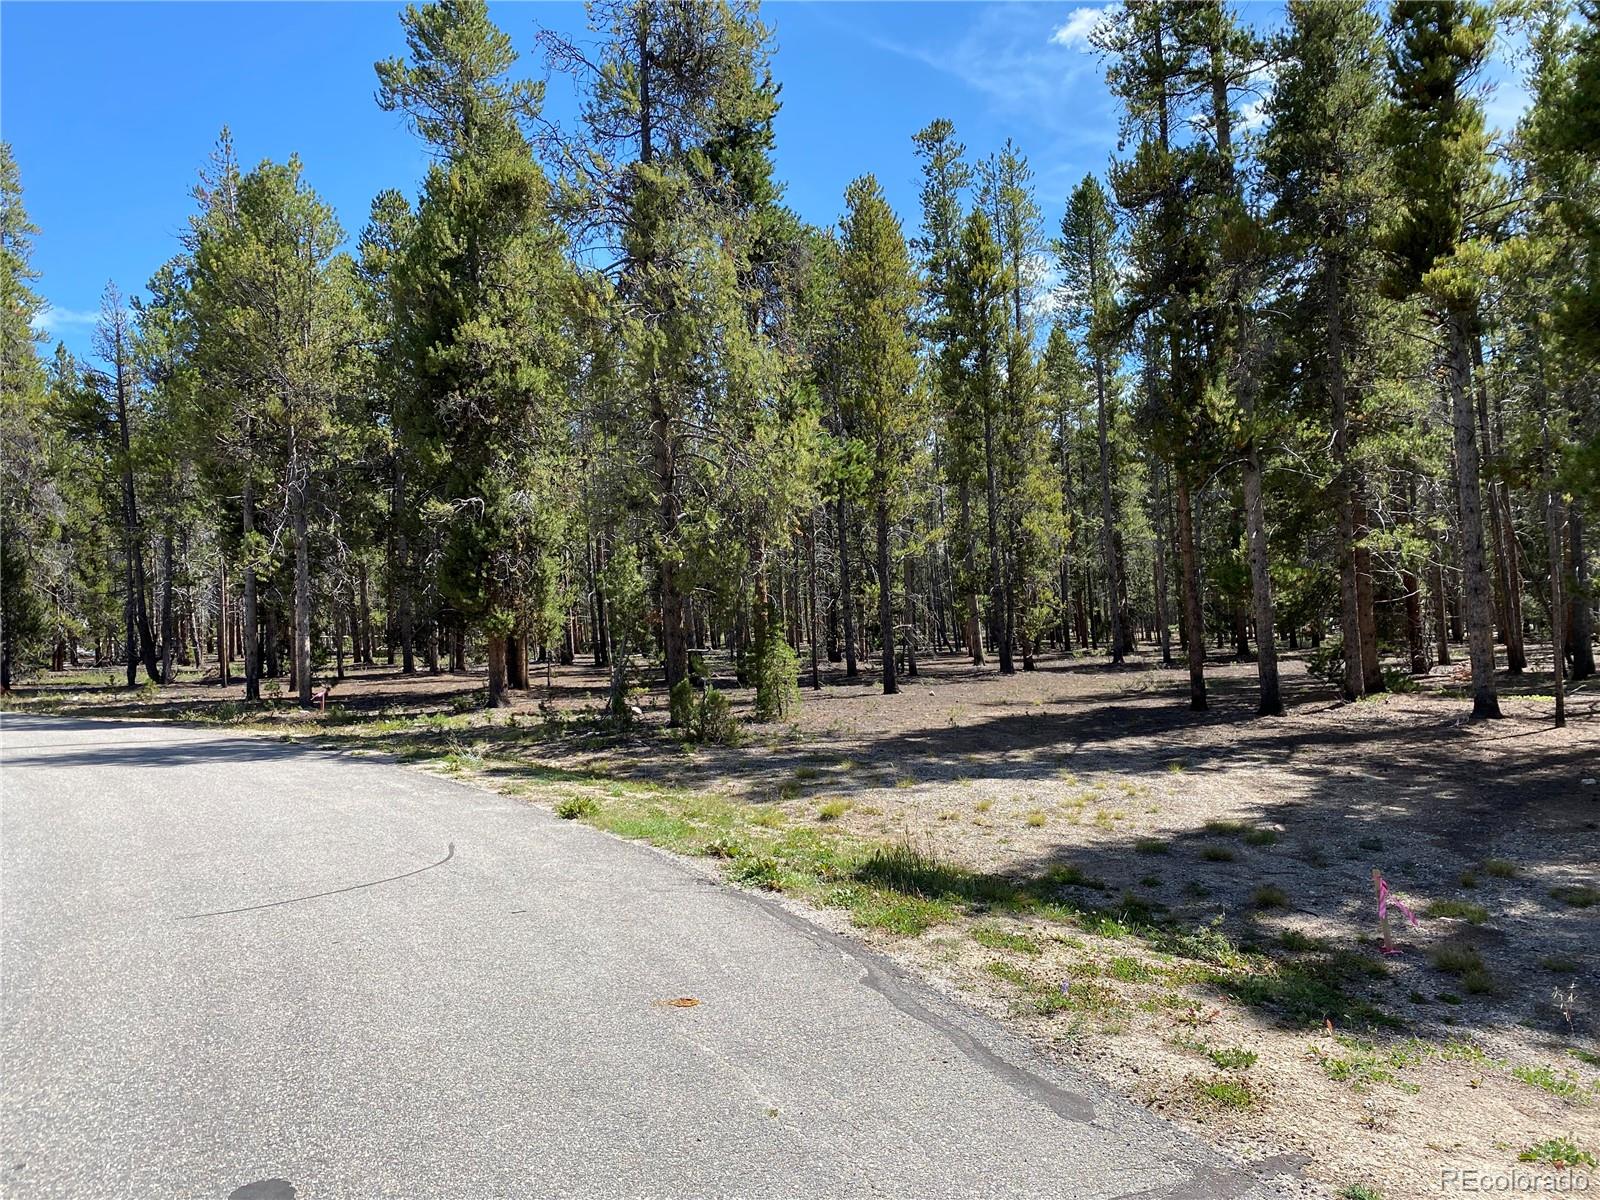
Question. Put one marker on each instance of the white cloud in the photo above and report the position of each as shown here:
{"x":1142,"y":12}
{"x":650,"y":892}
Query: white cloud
{"x":1002,"y":54}
{"x":1080,"y":24}
{"x":59,"y":320}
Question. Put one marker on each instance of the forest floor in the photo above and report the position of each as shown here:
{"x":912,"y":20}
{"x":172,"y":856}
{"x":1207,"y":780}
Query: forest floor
{"x":1180,"y":903}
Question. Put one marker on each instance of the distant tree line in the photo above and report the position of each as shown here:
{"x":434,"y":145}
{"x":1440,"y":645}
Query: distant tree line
{"x":1314,"y":363}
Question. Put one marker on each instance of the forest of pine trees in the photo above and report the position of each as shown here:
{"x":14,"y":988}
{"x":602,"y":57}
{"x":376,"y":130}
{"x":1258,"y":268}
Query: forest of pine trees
{"x":1324,"y":380}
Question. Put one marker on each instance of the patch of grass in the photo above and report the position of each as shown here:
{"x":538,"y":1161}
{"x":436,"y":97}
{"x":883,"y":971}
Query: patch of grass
{"x":807,"y":773}
{"x":1500,"y":868}
{"x":1361,"y":1064}
{"x":1269,"y":896}
{"x":833,"y":810}
{"x":1214,"y":853}
{"x":1296,"y":942}
{"x":1360,"y":1191}
{"x":1577,"y":895}
{"x":1565,"y":1085}
{"x":997,"y":938}
{"x":1231,"y":1094}
{"x":1261,"y":836}
{"x":1151,"y":845}
{"x":1232,"y":1058}
{"x":573,"y":807}
{"x":1069,"y":875}
{"x":984,"y":805}
{"x":1131,"y":970}
{"x":1478,"y":982}
{"x":904,"y":915}
{"x":1473,"y":914}
{"x":1304,"y":995}
{"x":1585,"y":1056}
{"x":1456,"y":958}
{"x":1560,"y":1153}
{"x":1035,"y":819}
{"x":1559,"y":964}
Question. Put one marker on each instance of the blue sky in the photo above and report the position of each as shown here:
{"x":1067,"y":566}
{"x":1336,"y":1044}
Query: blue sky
{"x":112,"y":108}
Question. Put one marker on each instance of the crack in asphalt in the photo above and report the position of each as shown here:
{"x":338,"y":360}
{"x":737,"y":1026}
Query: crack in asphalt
{"x":354,"y":887}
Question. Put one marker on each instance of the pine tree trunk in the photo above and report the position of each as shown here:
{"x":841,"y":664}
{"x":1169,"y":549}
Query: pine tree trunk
{"x":1508,"y":576}
{"x":885,"y":599}
{"x":248,"y":618}
{"x":1441,"y":617}
{"x":1474,"y":574}
{"x":1271,"y":702}
{"x":131,"y":636}
{"x":224,"y":657}
{"x":365,"y":646}
{"x":1579,"y":597}
{"x":1107,"y":520}
{"x":974,"y":626}
{"x":1194,"y":620}
{"x":302,"y":597}
{"x":846,"y":596}
{"x":169,"y":630}
{"x":811,"y":631}
{"x":1371,"y":666}
{"x":1344,"y":487}
{"x":1552,"y":526}
{"x":497,"y":671}
{"x":1163,"y":538}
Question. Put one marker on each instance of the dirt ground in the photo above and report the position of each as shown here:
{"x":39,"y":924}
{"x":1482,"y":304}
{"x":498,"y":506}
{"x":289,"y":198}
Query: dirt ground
{"x":1473,"y":1046}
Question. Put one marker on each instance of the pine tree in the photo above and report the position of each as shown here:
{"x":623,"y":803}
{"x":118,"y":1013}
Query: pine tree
{"x":1086,"y":255}
{"x":27,"y":492}
{"x":1440,"y":166}
{"x":484,"y":281}
{"x":1327,"y":169}
{"x":877,"y":308}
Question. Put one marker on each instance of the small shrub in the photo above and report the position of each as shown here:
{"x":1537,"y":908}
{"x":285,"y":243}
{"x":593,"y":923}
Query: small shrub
{"x":573,"y":807}
{"x":777,"y":677}
{"x":757,"y":870}
{"x":1150,"y":845}
{"x":1217,"y":853}
{"x":680,"y":705}
{"x":1224,"y":1093}
{"x":1231,"y":1058}
{"x":1399,"y":681}
{"x":1560,"y":1153}
{"x":833,"y":810}
{"x":1578,"y":895}
{"x":1326,"y":662}
{"x":1500,"y":868}
{"x":1261,"y":837}
{"x":1269,"y":896}
{"x":1456,"y":958}
{"x":715,"y":722}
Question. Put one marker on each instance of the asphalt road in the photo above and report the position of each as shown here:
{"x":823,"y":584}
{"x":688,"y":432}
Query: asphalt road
{"x":238,"y":968}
